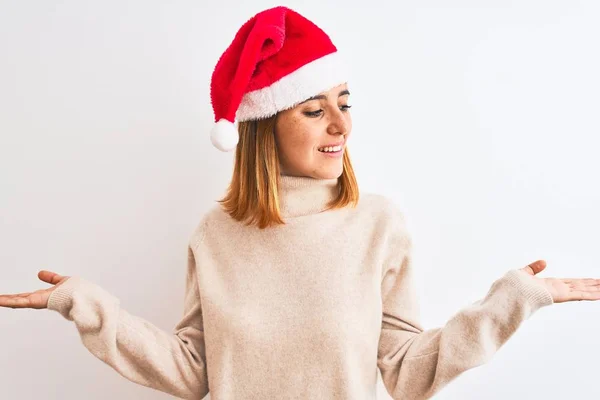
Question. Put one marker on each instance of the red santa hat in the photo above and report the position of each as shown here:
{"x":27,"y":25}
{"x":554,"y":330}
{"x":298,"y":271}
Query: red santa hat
{"x":277,"y":59}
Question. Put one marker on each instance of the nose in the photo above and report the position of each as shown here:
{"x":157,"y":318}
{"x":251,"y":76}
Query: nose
{"x":338,"y":125}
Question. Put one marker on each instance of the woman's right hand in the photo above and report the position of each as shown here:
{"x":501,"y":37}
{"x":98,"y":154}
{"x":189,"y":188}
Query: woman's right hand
{"x":37,"y":299}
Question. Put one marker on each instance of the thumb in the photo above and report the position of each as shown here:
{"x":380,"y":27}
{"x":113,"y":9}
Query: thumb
{"x":51,"y":277}
{"x":535,"y":267}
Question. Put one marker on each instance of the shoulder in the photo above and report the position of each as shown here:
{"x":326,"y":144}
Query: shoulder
{"x":383,"y":208}
{"x":389,"y":218}
{"x":392,"y":229}
{"x":213,"y":216}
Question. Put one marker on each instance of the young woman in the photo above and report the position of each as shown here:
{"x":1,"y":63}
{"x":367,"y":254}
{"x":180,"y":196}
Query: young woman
{"x":296,"y":286}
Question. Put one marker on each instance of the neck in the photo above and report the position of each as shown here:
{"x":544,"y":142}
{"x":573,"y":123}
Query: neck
{"x":301,"y":195}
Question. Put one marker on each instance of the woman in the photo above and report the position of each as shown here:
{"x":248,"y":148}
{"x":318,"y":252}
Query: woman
{"x":296,"y":287}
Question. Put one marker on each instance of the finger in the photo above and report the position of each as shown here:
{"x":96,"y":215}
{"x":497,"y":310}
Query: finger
{"x":15,"y":301}
{"x":584,"y":284}
{"x":535,"y":267}
{"x":587,"y":289}
{"x":581,"y":295}
{"x":14,"y":295}
{"x":585,"y":281}
{"x":50,"y":277}
{"x":589,"y":282}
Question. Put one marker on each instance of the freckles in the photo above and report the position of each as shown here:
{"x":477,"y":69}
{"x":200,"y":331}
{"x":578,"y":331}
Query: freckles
{"x":295,"y":120}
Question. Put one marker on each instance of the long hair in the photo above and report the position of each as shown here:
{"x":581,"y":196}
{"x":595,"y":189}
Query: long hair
{"x":253,"y":192}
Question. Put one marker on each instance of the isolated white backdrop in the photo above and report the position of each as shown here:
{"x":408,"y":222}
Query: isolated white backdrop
{"x":480,"y":118}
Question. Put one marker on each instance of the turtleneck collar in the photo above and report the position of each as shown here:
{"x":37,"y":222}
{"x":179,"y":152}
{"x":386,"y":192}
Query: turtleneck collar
{"x":301,"y":195}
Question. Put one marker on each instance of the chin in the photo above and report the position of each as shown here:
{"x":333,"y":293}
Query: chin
{"x":329,"y":174}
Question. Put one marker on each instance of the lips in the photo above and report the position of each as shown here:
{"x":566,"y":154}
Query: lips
{"x":332,"y":145}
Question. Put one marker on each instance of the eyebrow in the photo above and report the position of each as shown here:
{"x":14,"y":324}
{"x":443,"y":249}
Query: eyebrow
{"x":324,"y":97}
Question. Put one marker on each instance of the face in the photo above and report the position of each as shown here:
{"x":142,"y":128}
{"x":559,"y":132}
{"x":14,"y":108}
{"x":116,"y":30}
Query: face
{"x":305,"y":134}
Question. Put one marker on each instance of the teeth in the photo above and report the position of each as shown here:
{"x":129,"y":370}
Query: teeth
{"x":330,"y":149}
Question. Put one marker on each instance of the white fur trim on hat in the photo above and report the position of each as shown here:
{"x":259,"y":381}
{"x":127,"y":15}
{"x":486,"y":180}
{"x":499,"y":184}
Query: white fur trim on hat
{"x":317,"y":76}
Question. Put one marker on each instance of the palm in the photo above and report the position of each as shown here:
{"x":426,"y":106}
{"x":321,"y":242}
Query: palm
{"x":566,"y":289}
{"x":37,"y":299}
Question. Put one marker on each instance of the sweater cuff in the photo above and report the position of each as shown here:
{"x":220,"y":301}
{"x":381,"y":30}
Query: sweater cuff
{"x":61,"y":298}
{"x":534,"y":291}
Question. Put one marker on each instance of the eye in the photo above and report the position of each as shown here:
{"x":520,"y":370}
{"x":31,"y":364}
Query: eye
{"x":313,"y":113}
{"x":318,"y":112}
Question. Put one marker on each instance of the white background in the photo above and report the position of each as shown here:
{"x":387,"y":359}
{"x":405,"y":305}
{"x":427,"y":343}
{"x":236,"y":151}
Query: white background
{"x":480,"y":118}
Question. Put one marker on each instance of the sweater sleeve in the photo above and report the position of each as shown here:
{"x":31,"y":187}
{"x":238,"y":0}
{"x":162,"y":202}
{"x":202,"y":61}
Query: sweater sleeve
{"x":173,"y":363}
{"x":416,"y":363}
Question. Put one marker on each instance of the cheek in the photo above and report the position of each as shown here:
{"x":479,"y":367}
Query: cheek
{"x":349,"y":122}
{"x":301,"y":147}
{"x":300,"y":138}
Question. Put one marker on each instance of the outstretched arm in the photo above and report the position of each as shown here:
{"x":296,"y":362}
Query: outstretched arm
{"x":173,"y":363}
{"x":416,"y":363}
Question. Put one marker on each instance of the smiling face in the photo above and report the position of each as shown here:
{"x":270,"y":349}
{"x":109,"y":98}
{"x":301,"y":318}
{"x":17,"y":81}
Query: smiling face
{"x":302,"y":132}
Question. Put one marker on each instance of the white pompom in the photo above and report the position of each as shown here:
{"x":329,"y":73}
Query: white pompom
{"x":224,"y":135}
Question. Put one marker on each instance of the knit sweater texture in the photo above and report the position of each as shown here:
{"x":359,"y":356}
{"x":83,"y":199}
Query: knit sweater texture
{"x":306,"y":310}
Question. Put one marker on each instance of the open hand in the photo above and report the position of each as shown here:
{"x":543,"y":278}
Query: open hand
{"x":566,"y":289}
{"x":37,"y":299}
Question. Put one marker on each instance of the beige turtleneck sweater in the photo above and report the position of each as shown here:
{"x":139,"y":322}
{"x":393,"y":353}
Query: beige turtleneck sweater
{"x":306,"y":310}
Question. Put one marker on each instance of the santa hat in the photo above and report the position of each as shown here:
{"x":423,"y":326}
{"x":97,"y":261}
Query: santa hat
{"x":277,"y":59}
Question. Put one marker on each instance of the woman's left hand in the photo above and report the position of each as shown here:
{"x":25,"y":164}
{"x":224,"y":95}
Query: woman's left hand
{"x":565,"y":289}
